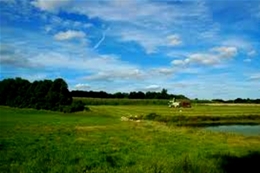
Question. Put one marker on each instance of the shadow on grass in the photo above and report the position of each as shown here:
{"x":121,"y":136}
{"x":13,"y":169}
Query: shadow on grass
{"x":248,"y":163}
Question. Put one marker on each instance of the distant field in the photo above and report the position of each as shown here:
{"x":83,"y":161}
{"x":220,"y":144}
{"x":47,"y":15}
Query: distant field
{"x":198,"y":115}
{"x":97,"y":141}
{"x":196,"y":110}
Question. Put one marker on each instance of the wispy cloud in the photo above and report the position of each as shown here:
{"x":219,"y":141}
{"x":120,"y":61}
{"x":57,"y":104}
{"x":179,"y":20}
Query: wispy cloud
{"x":252,"y":53}
{"x":148,"y":40}
{"x":51,"y":6}
{"x":255,"y":77}
{"x":131,"y":23}
{"x":12,"y":57}
{"x":102,"y":39}
{"x":69,"y":35}
{"x":56,"y":23}
{"x":112,"y":75}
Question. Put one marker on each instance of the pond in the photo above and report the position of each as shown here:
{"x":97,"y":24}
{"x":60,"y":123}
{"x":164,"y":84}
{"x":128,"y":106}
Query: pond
{"x":249,"y":130}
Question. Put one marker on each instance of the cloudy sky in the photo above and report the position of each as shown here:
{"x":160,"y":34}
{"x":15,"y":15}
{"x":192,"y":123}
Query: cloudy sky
{"x":203,"y":48}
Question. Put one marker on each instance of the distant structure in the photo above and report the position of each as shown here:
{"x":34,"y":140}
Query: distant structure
{"x":184,"y":104}
{"x":173,"y":103}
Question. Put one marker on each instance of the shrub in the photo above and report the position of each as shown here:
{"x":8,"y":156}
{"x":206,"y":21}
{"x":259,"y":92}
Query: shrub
{"x":152,"y":116}
{"x":75,"y":107}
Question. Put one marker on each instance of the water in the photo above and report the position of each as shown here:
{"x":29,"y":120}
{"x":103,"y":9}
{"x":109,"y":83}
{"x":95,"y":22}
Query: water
{"x":249,"y":130}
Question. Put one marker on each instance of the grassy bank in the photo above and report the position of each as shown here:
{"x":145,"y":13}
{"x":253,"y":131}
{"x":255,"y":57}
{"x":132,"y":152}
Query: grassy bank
{"x":97,"y":141}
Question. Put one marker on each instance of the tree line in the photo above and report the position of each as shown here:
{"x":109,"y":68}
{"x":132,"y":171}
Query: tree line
{"x":131,"y":95}
{"x":54,"y":95}
{"x":237,"y":100}
{"x":155,"y":95}
{"x":45,"y":94}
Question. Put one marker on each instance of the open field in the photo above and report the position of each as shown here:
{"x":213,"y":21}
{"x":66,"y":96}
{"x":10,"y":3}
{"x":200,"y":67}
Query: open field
{"x":196,"y":110}
{"x":97,"y":141}
{"x":196,"y":116}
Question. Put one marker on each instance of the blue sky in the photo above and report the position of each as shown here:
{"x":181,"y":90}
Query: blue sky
{"x":202,"y":49}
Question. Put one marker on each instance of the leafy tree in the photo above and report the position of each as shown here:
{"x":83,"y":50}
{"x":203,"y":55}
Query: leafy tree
{"x":47,"y":94}
{"x":163,"y":94}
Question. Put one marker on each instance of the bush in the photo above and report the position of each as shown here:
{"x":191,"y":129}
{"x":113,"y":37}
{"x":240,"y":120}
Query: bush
{"x":75,"y":107}
{"x":152,"y":116}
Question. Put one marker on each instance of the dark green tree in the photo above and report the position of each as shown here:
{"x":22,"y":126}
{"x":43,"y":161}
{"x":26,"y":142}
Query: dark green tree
{"x":47,"y":94}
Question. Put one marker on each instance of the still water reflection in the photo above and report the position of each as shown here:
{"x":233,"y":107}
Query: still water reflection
{"x":242,"y":129}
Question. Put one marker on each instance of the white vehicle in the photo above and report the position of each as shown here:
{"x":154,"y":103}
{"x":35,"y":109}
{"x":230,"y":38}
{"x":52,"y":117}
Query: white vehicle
{"x":173,"y":103}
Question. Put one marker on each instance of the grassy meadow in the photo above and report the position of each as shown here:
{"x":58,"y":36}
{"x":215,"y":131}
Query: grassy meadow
{"x":98,"y":141}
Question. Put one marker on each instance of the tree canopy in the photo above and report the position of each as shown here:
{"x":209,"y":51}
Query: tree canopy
{"x":131,"y":95}
{"x":45,"y":94}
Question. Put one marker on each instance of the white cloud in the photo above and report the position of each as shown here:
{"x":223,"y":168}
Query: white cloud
{"x":69,"y":35}
{"x":165,"y":71}
{"x":173,"y":40}
{"x":47,"y":28}
{"x":147,"y":39}
{"x":150,"y":24}
{"x":178,"y":62}
{"x":51,"y":5}
{"x":14,"y":57}
{"x":252,"y":53}
{"x":228,"y":88}
{"x":112,"y":75}
{"x":242,"y":44}
{"x":81,"y":86}
{"x":255,"y":76}
{"x":153,"y":88}
{"x":34,"y":77}
{"x":58,"y":22}
{"x":215,"y":56}
{"x":205,"y":59}
{"x":226,"y":52}
{"x":237,"y":42}
{"x":96,"y":67}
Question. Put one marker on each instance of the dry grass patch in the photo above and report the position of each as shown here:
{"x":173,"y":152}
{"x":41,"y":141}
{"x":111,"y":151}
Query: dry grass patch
{"x":239,"y":141}
{"x":91,"y":128}
{"x":98,"y":127}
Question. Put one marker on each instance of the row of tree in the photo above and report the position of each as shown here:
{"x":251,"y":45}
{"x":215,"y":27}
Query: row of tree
{"x":46,"y":94}
{"x":154,"y":95}
{"x":132,"y":95}
{"x":237,"y":100}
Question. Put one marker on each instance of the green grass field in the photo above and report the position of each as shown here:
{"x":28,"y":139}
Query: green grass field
{"x":196,"y":110}
{"x":97,"y":141}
